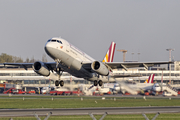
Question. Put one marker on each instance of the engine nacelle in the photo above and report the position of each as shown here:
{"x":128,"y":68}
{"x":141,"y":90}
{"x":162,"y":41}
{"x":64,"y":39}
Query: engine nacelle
{"x":99,"y":68}
{"x":40,"y":68}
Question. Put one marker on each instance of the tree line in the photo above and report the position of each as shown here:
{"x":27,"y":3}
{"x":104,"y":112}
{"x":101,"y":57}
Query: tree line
{"x":14,"y":59}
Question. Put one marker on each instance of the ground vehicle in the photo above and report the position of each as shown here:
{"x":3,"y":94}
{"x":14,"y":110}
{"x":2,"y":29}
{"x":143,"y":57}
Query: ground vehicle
{"x":18,"y":91}
{"x":67,"y":93}
{"x":167,"y":93}
{"x":76,"y":92}
{"x":54,"y":92}
{"x":59,"y":92}
{"x":31,"y":92}
{"x":9,"y":91}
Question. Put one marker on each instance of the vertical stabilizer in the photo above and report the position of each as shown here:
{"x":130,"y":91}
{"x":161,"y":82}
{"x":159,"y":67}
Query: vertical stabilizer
{"x":110,"y":53}
{"x":146,"y":81}
{"x":151,"y":78}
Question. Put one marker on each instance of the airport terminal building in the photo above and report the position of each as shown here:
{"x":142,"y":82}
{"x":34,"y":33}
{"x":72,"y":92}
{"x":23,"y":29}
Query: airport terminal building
{"x":28,"y":78}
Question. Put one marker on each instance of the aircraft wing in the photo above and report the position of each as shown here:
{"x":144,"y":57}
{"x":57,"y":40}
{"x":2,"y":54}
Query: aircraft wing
{"x":87,"y":66}
{"x":50,"y":65}
{"x":129,"y":75}
{"x":126,"y":65}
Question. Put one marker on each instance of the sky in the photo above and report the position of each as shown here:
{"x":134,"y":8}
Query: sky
{"x":147,"y":27}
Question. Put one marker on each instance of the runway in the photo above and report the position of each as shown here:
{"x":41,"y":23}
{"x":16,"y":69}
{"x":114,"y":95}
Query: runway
{"x":86,"y":111}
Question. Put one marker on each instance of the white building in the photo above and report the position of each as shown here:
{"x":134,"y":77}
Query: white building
{"x":30,"y":78}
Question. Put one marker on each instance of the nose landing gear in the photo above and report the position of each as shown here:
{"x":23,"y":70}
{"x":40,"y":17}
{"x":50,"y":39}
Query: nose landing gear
{"x":59,"y":71}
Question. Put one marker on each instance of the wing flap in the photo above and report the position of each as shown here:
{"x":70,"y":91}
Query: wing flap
{"x":125,"y":65}
{"x":50,"y":65}
{"x":128,"y":75}
{"x":24,"y":65}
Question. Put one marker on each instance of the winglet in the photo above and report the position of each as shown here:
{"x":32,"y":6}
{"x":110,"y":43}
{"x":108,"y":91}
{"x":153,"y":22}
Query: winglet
{"x":110,"y":53}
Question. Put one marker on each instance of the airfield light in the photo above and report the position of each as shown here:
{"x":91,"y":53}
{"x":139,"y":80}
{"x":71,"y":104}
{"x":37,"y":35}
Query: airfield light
{"x":170,"y":49}
{"x":124,"y":54}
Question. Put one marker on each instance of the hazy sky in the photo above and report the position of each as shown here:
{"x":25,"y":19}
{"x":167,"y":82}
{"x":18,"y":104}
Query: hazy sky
{"x":145,"y":26}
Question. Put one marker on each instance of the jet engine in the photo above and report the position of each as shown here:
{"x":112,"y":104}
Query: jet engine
{"x":100,"y":68}
{"x":40,"y":68}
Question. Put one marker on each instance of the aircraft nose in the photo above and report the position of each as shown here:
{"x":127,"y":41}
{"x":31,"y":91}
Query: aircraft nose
{"x":49,"y":48}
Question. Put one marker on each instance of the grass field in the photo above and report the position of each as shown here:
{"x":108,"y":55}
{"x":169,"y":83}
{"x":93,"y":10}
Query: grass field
{"x":76,"y":102}
{"x":173,"y":116}
{"x":16,"y":102}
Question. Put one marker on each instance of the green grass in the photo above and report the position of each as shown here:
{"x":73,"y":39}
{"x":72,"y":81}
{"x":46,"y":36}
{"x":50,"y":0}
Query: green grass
{"x":169,"y":116}
{"x":77,"y":103}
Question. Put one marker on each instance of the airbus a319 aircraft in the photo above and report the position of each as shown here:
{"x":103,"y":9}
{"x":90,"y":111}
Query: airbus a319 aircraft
{"x":70,"y":59}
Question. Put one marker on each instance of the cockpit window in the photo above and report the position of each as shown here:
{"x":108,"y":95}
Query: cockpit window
{"x":59,"y":41}
{"x":53,"y":40}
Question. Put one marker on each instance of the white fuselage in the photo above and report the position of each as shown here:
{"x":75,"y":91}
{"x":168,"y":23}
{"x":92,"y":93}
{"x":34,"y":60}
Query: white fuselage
{"x":157,"y":87}
{"x":71,"y":59}
{"x":141,"y":86}
{"x":133,"y":86}
{"x":45,"y":90}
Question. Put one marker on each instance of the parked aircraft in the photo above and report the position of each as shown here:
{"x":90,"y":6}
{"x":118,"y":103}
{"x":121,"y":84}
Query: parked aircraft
{"x":151,"y":79}
{"x":45,"y":90}
{"x":74,"y":61}
{"x":163,"y":87}
{"x":132,"y":86}
{"x":167,"y":89}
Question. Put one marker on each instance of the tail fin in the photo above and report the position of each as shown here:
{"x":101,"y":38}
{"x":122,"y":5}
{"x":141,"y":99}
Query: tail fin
{"x":146,"y":81}
{"x":110,"y":53}
{"x":151,"y":78}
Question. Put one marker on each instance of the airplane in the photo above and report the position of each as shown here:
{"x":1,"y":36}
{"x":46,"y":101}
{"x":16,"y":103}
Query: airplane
{"x":45,"y":90}
{"x":167,"y":88}
{"x":70,"y":59}
{"x":132,"y":87}
{"x":163,"y":87}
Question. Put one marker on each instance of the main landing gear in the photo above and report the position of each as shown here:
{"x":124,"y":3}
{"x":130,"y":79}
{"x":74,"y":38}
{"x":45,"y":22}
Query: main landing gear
{"x":59,"y":71}
{"x":100,"y":82}
{"x":61,"y":83}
